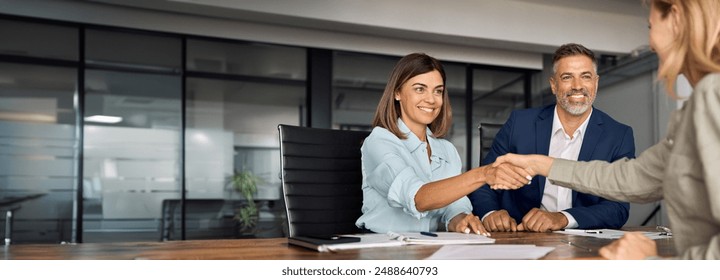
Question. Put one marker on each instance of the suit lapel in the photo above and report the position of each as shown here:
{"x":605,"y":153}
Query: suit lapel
{"x":543,"y":127}
{"x":592,"y":136}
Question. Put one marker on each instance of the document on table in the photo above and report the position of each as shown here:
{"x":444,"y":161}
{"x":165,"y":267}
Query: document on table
{"x":610,"y":233}
{"x":391,"y":239}
{"x":441,"y":238}
{"x":491,"y":252}
{"x":371,"y":240}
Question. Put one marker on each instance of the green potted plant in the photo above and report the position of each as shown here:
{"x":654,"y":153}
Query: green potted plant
{"x":245,"y":182}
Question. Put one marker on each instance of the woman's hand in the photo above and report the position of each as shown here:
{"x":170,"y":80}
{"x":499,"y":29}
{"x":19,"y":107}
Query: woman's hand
{"x":506,"y":176}
{"x":467,"y":223}
{"x":631,"y":246}
{"x":536,"y":164}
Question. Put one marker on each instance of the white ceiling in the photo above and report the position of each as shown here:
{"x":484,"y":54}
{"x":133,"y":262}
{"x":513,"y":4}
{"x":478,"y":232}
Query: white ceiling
{"x":524,"y":25}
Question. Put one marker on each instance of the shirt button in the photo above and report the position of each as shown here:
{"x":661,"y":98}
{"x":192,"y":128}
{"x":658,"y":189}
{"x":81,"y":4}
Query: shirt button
{"x":670,"y":141}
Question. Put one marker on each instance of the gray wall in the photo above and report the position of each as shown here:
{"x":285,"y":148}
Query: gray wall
{"x":642,"y":104}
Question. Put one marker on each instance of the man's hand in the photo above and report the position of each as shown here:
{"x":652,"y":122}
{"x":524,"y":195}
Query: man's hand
{"x":542,"y":221}
{"x":499,"y":220}
{"x":467,"y":223}
{"x":631,"y":246}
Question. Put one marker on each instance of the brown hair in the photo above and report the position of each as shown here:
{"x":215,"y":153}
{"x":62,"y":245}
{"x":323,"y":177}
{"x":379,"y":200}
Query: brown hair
{"x":695,"y":52}
{"x":572,"y":49}
{"x":388,"y":109}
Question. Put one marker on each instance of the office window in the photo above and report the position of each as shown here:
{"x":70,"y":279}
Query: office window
{"x":234,"y":105}
{"x":131,"y":153}
{"x":137,"y":51}
{"x":132,"y":134}
{"x":246,"y":59}
{"x":496,"y":94}
{"x":38,"y":40}
{"x":37,"y":150}
{"x":455,"y":85}
{"x":358,"y":82}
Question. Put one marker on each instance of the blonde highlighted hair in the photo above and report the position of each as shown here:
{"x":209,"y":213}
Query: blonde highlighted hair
{"x":696,"y":50}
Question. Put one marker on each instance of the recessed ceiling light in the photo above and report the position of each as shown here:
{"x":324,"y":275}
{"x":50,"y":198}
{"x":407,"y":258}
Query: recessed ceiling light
{"x":103,"y":119}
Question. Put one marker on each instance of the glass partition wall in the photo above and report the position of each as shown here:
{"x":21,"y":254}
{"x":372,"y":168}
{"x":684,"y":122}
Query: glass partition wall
{"x":131,"y":161}
{"x":38,"y":139}
{"x":113,"y":134}
{"x":237,"y":94}
{"x":496,"y":93}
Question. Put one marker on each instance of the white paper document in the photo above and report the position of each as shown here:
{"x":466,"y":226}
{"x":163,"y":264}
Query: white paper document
{"x":491,"y":252}
{"x":372,"y":240}
{"x":442,"y":238}
{"x":610,"y":233}
{"x":375,"y":240}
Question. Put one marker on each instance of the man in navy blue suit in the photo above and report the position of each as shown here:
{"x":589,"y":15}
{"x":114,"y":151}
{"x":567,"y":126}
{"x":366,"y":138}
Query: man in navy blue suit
{"x":570,"y":129}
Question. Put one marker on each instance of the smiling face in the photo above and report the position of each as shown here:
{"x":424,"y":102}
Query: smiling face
{"x":421,"y":99}
{"x":574,"y":84}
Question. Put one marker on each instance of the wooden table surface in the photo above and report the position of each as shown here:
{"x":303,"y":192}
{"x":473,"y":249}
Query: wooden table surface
{"x":278,"y":249}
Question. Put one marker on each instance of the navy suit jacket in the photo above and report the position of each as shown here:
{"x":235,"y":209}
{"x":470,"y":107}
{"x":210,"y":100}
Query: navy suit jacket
{"x":528,"y":132}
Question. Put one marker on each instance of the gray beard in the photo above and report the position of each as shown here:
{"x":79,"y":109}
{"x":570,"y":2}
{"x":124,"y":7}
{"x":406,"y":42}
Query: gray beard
{"x":575,"y":108}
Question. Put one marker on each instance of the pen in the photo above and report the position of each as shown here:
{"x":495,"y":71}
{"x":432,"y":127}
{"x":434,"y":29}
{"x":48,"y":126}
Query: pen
{"x":664,"y":230}
{"x":576,"y":245}
{"x":428,"y":234}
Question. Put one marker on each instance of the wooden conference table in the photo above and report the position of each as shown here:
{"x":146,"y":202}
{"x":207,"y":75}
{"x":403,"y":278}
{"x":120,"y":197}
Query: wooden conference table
{"x":278,"y":249}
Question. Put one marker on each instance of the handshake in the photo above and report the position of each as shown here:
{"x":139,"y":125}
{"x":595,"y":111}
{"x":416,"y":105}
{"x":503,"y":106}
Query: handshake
{"x":512,"y":171}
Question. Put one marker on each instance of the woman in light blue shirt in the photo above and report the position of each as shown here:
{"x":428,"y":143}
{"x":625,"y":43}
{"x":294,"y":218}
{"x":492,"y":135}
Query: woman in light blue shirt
{"x":412,"y":178}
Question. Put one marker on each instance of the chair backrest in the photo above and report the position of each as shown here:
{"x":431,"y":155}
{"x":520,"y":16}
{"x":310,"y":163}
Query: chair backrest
{"x":487,"y":135}
{"x":321,"y":179}
{"x":208,"y":214}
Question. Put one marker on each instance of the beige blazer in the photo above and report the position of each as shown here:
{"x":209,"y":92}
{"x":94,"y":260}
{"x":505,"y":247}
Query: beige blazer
{"x":683,"y":169}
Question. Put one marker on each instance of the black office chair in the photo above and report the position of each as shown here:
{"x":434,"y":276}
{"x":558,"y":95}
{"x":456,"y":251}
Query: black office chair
{"x":487,"y":135}
{"x":205,"y":219}
{"x":321,"y":179}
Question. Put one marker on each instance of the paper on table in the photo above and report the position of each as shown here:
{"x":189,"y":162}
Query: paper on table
{"x":490,"y":252}
{"x":610,"y":233}
{"x":375,"y":240}
{"x":442,"y":238}
{"x":371,"y":240}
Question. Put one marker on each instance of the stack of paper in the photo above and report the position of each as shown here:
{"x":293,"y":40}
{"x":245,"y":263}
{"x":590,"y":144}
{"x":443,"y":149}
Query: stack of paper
{"x":442,"y":238}
{"x":375,"y":240}
{"x":610,"y":233}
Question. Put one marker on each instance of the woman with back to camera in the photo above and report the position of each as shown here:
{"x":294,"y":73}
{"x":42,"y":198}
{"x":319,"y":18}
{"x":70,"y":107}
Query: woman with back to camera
{"x":412,"y":177}
{"x":683,"y":167}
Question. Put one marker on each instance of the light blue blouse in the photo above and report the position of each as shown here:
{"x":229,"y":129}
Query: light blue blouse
{"x":393,"y":172}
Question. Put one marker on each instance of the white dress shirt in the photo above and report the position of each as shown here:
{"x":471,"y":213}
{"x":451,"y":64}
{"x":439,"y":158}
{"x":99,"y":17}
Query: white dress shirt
{"x":562,"y":145}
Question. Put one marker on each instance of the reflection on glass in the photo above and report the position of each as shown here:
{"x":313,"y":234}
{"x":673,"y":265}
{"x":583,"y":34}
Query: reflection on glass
{"x":250,"y":59}
{"x":38,"y":40}
{"x":455,"y":79}
{"x":232,"y":126}
{"x":37,"y":148}
{"x":495,"y":95}
{"x":358,"y":83}
{"x":130,"y":166}
{"x":138,"y":51}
